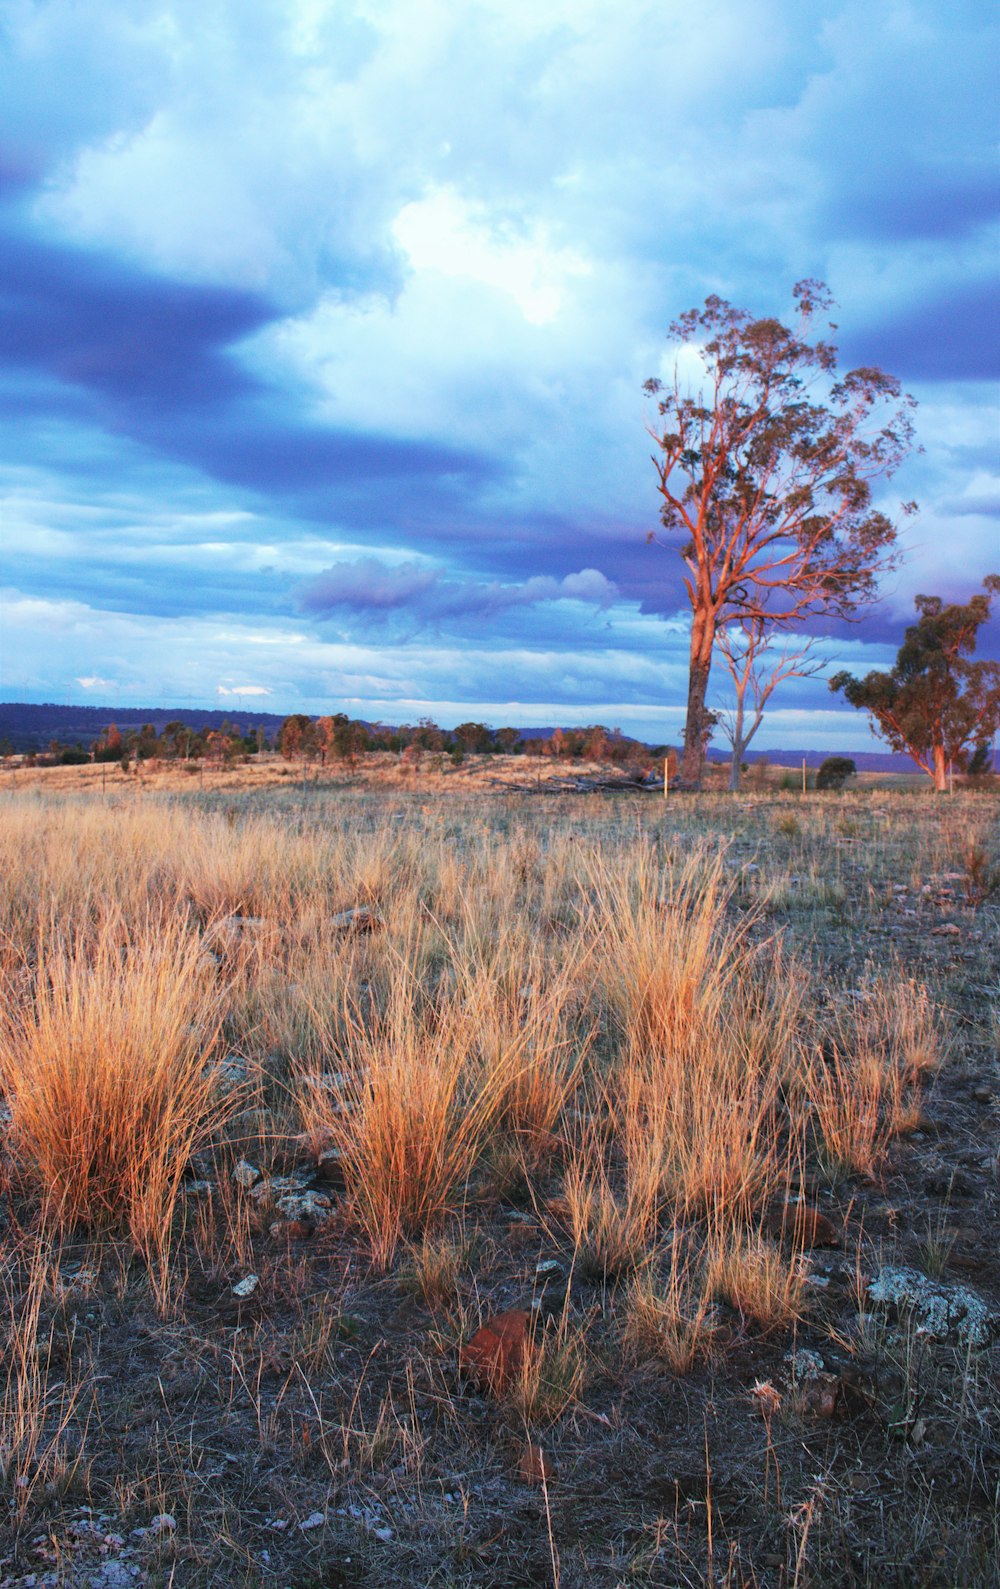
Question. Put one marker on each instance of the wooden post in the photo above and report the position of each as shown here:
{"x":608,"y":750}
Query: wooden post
{"x":803,"y":775}
{"x":666,"y":776}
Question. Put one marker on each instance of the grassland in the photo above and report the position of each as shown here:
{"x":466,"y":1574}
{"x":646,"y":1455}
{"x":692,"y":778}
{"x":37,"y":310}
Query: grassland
{"x":302,"y":1087}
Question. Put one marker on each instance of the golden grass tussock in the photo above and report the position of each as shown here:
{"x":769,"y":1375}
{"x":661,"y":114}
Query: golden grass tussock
{"x":755,"y":1275}
{"x":407,"y":1110}
{"x":673,"y":1318}
{"x":107,"y":1071}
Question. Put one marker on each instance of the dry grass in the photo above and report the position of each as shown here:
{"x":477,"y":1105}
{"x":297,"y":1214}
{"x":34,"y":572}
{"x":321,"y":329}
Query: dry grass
{"x":673,"y":1319}
{"x":571,"y":1039}
{"x":753,"y":1274}
{"x":107,"y":1070}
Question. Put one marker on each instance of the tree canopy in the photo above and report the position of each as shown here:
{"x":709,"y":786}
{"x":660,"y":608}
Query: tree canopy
{"x":935,"y":704}
{"x":765,"y":465}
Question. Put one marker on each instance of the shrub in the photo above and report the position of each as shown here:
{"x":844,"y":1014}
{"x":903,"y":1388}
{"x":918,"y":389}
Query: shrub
{"x":834,"y":772}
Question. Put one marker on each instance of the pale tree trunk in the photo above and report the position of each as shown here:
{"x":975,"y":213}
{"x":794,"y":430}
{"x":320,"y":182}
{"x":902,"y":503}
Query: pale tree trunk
{"x":702,"y":640}
{"x":736,"y":768}
{"x":940,"y":771}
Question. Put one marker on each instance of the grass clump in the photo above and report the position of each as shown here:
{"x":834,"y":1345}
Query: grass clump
{"x":107,"y":1070}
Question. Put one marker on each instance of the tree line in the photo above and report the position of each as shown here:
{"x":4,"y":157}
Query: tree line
{"x":339,"y":738}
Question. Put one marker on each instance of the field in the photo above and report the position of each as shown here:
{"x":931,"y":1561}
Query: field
{"x":433,"y":1182}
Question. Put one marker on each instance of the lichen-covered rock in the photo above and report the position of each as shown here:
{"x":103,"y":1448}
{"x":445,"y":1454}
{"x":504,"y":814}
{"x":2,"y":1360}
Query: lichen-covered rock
{"x":946,"y":1312}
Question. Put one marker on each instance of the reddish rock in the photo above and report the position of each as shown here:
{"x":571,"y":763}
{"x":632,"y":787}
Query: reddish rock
{"x":803,"y":1225}
{"x":494,"y":1355}
{"x":534,"y":1465}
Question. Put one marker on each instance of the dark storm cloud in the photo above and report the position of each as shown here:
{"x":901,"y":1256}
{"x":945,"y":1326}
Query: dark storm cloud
{"x":154,"y":357}
{"x":950,"y":335}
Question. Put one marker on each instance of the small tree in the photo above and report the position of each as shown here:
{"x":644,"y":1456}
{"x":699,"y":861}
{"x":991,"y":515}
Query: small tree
{"x":756,"y":671}
{"x":935,"y":704}
{"x":297,"y":737}
{"x":834,"y":772}
{"x":766,"y":472}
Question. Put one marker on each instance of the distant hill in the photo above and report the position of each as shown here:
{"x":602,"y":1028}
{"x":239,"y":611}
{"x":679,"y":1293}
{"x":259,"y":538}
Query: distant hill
{"x":30,"y":726}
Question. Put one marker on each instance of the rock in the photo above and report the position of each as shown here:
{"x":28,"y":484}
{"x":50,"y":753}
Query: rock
{"x":247,"y":1286}
{"x":802,"y":1224}
{"x":946,"y":930}
{"x":163,"y":1522}
{"x":361,"y":918}
{"x":822,"y":1398}
{"x":314,"y":1520}
{"x":497,"y":1351}
{"x":534,"y":1465}
{"x":246,"y":1175}
{"x":945,"y":1312}
{"x":291,"y":1230}
{"x":330,"y":1168}
{"x":804,"y":1364}
{"x":983,"y":1094}
{"x":314,"y":1207}
{"x":228,"y":932}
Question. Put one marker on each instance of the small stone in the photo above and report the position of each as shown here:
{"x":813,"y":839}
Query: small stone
{"x":983,"y":1094}
{"x":305,"y":1205}
{"x":163,"y":1522}
{"x":246,"y":1175}
{"x":362,"y":918}
{"x":384,"y":1534}
{"x":330,"y":1167}
{"x":946,"y":930}
{"x":314,"y":1520}
{"x":290,"y":1230}
{"x":534,"y":1465}
{"x":498,"y":1349}
{"x":247,"y":1286}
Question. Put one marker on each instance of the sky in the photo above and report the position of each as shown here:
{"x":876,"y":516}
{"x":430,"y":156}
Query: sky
{"x":324,"y":326}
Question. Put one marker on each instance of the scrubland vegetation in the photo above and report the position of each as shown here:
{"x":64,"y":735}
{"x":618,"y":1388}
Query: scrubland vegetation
{"x":299,"y":1093}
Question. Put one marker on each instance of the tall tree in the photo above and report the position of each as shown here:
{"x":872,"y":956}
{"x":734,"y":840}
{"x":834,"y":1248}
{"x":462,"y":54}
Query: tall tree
{"x":935,"y":704}
{"x":765,"y":467}
{"x":756,"y":669}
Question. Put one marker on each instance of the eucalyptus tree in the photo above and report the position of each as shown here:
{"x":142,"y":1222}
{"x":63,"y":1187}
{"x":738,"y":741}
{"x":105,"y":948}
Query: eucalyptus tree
{"x":766,"y":460}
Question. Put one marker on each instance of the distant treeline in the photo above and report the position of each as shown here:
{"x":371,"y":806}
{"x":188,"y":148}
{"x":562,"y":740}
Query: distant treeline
{"x":336,"y":738}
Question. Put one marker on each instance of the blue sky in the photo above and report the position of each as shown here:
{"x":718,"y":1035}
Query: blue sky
{"x":324,"y":323}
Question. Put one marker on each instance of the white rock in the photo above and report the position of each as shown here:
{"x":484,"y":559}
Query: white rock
{"x":314,"y":1520}
{"x":246,"y":1175}
{"x":247,"y":1286}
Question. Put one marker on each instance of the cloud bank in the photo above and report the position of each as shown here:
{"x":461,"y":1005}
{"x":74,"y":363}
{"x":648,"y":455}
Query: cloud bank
{"x":329,"y":318}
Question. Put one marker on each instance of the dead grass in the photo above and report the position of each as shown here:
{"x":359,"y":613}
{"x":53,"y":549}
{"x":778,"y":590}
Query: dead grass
{"x":107,"y":1070}
{"x":570,"y":1045}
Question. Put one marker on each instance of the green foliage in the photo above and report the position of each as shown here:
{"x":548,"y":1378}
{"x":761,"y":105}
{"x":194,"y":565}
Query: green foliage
{"x":834,"y":772}
{"x":935,"y":704}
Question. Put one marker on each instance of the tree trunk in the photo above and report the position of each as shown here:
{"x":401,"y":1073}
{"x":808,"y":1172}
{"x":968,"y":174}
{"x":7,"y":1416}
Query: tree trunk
{"x":736,"y":768}
{"x":940,"y":771}
{"x":693,"y":760}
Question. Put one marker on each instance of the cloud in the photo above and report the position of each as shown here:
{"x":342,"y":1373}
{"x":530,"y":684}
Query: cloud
{"x":350,"y":306}
{"x":428,"y":596}
{"x":241,"y":690}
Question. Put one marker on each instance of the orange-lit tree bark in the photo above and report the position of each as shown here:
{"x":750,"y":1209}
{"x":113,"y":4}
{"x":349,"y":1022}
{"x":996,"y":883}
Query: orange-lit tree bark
{"x":765,"y":465}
